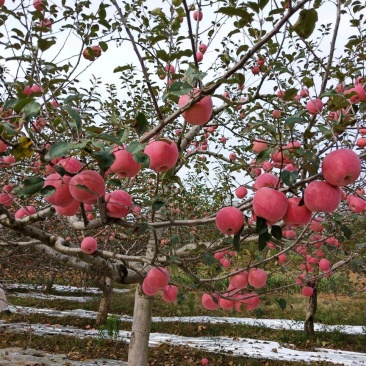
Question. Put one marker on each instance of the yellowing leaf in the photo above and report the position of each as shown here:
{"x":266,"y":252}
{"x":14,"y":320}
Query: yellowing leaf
{"x":23,"y":149}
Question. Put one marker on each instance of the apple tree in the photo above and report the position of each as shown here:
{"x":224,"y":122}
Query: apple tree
{"x":138,"y":138}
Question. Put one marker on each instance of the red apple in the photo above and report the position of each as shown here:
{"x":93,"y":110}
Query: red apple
{"x":324,"y":265}
{"x":24,"y":211}
{"x":69,"y":210}
{"x":241,"y":192}
{"x":304,"y":92}
{"x":157,"y":278}
{"x":38,"y":4}
{"x":209,"y":303}
{"x":314,"y":106}
{"x":282,"y":258}
{"x":259,"y":145}
{"x":267,"y":180}
{"x":163,"y":154}
{"x":341,"y":167}
{"x":89,"y":245}
{"x":71,"y":165}
{"x":239,"y":280}
{"x":97,"y":51}
{"x":296,"y":215}
{"x":361,"y":142}
{"x":170,"y":293}
{"x":119,"y":204}
{"x":251,"y":301}
{"x":269,"y":204}
{"x":307,"y":291}
{"x":229,"y":220}
{"x":276,"y":113}
{"x":199,"y":56}
{"x":255,"y":70}
{"x":257,"y":278}
{"x":87,"y":186}
{"x":359,"y":94}
{"x":202,"y":48}
{"x":36,"y":89}
{"x":61,"y":196}
{"x":197,"y":15}
{"x":226,"y":304}
{"x":198,"y":114}
{"x":124,"y":164}
{"x":321,"y":196}
{"x":3,"y":146}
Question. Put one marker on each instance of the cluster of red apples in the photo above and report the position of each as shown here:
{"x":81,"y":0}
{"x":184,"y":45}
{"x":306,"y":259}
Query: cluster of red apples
{"x":157,"y":280}
{"x":339,"y":168}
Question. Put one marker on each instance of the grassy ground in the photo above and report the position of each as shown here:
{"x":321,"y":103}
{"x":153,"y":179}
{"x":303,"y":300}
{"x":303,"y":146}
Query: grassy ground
{"x":331,"y":310}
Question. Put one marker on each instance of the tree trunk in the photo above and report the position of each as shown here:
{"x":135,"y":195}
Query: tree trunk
{"x":137,"y":353}
{"x":51,"y":280}
{"x":107,"y":292}
{"x":310,"y":312}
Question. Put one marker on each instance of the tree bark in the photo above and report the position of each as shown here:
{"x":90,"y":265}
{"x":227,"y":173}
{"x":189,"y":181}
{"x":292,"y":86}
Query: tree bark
{"x":105,"y":302}
{"x":310,"y":312}
{"x":139,"y":343}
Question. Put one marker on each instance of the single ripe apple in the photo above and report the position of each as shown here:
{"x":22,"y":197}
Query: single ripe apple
{"x":314,"y":106}
{"x":321,"y":196}
{"x":341,"y":167}
{"x":89,"y":245}
{"x":198,"y":114}
{"x":229,"y":220}
{"x":269,"y":204}
{"x":163,"y":154}
{"x":197,"y":15}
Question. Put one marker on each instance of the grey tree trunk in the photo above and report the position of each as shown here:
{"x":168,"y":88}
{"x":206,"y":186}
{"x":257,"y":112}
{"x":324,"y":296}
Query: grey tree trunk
{"x":139,"y":343}
{"x":107,"y":292}
{"x":310,"y":312}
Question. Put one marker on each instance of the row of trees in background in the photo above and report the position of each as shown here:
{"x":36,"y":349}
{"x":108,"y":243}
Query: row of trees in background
{"x":224,"y":157}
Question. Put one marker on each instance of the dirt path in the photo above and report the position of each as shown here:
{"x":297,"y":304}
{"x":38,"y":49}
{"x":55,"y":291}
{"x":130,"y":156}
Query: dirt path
{"x":33,"y":357}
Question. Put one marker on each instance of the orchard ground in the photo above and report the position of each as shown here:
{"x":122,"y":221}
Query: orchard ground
{"x":332,"y":309}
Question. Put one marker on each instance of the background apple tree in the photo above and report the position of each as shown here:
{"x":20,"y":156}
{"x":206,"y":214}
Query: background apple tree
{"x":127,"y":127}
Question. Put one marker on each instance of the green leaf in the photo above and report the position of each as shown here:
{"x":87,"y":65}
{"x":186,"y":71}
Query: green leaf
{"x":48,"y":191}
{"x":193,"y":74}
{"x":262,"y":240}
{"x":142,"y":124}
{"x":104,"y":158}
{"x":293,"y":120}
{"x":276,"y":232}
{"x":261,"y":225}
{"x":135,"y":147}
{"x":21,"y":104}
{"x":158,"y":204}
{"x":180,"y":88}
{"x":29,"y":186}
{"x":31,"y":109}
{"x":346,"y":231}
{"x":236,"y":241}
{"x":142,"y":159}
{"x":208,"y":259}
{"x":45,"y":43}
{"x":305,"y":25}
{"x":289,"y":178}
{"x":163,"y":55}
{"x":236,"y":11}
{"x":282,"y":303}
{"x":60,"y":148}
{"x":262,"y":4}
{"x":289,"y":94}
{"x":75,"y":116}
{"x":122,"y":68}
{"x":103,"y":46}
